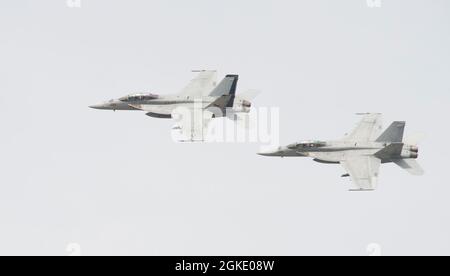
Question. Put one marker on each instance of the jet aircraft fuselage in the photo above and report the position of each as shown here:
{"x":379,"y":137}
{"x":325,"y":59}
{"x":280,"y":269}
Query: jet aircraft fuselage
{"x":202,"y":94}
{"x":361,"y":153}
{"x":333,"y":152}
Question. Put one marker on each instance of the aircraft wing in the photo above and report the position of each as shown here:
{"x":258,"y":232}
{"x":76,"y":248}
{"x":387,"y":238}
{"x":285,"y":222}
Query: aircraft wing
{"x":368,"y":129}
{"x":363,"y":171}
{"x":192,"y":125}
{"x":201,"y":85}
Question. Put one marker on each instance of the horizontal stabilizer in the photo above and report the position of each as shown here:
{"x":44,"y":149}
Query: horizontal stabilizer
{"x":393,"y":150}
{"x":414,"y":139}
{"x":222,"y":103}
{"x":410,"y":165}
{"x":249,"y":95}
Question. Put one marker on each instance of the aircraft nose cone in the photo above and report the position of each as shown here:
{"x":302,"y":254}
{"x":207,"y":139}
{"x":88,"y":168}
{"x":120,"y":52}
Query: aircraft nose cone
{"x":269,"y":152}
{"x":97,"y":106}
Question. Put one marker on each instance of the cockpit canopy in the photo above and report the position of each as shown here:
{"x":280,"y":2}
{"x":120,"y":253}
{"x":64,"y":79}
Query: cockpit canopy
{"x":139,"y":97}
{"x":307,"y":145}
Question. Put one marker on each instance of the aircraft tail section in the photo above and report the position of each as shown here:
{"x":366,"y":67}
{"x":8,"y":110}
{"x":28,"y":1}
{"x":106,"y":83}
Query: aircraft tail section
{"x":410,"y":165}
{"x":414,"y":139}
{"x":390,"y":151}
{"x":227,"y":87}
{"x":393,"y":134}
{"x":225,"y":92}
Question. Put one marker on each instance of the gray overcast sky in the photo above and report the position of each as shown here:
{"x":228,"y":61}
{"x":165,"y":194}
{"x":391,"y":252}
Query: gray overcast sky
{"x":116,"y":183}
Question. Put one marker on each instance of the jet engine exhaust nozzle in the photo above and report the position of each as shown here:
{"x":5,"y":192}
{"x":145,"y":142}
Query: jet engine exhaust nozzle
{"x":414,"y":149}
{"x":246,"y":104}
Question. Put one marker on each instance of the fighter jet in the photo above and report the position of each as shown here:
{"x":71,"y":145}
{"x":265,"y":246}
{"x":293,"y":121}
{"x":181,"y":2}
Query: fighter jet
{"x":201,"y":96}
{"x":361,"y":152}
